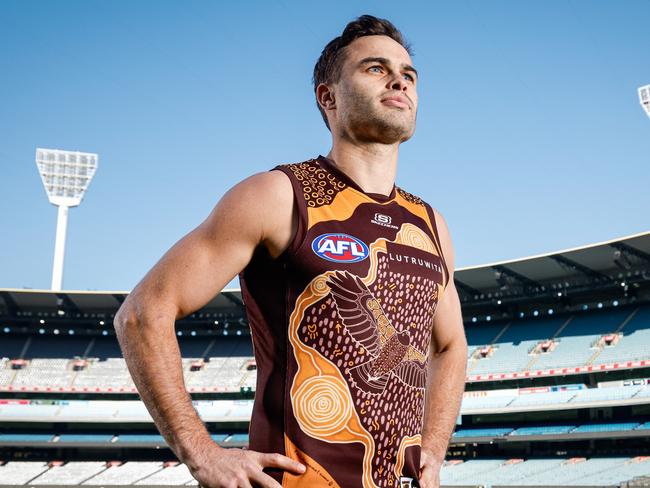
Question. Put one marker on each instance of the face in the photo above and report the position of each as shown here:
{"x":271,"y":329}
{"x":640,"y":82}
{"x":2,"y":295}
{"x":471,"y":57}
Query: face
{"x":375,"y":99}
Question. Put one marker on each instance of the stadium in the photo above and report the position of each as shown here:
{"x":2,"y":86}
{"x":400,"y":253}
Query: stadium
{"x":529,"y":140}
{"x":557,"y":391}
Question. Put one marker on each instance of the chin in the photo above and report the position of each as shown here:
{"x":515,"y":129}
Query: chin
{"x":393,"y":133}
{"x":381,"y":128}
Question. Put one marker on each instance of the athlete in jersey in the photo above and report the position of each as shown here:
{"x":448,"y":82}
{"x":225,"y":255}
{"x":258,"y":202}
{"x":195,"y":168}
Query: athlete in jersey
{"x":348,"y":285}
{"x":341,"y":325}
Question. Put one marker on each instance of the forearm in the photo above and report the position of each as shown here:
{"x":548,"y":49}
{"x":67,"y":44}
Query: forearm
{"x":152,"y":355}
{"x":445,"y":386}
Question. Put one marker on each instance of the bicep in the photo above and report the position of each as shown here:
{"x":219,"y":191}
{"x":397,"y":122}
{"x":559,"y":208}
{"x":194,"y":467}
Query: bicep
{"x":200,"y":264}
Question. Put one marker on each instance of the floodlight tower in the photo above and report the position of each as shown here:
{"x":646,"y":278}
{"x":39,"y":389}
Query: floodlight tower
{"x":66,"y":176}
{"x":644,"y":98}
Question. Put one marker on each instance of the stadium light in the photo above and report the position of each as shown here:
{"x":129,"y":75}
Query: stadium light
{"x":66,"y":176}
{"x":644,"y":98}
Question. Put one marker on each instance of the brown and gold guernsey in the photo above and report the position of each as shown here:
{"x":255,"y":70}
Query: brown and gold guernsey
{"x":341,"y":325}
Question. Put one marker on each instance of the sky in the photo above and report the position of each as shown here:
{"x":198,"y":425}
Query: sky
{"x":530,"y":137}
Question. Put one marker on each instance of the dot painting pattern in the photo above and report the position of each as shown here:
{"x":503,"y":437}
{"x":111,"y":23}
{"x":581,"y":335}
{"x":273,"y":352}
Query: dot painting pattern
{"x":389,"y":408}
{"x":318,"y":185}
{"x":409,"y":197}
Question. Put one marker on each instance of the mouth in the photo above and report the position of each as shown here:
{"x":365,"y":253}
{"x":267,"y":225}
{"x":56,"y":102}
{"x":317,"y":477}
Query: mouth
{"x":395,"y":102}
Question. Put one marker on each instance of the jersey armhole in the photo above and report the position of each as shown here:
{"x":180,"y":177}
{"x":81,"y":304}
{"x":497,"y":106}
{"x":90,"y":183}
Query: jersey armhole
{"x":438,"y":242}
{"x":301,"y":229}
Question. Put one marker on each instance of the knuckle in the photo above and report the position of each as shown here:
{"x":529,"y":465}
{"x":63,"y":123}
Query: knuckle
{"x":277,"y":458}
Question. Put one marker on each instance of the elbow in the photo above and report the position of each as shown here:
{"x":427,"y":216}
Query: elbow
{"x":124,"y":319}
{"x":135,"y":318}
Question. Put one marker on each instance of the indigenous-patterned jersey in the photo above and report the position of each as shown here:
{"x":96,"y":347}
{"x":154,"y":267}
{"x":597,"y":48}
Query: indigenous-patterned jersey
{"x":341,"y":325}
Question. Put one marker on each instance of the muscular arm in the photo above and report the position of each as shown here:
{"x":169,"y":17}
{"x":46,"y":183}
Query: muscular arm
{"x":446,"y":376}
{"x":258,"y":211}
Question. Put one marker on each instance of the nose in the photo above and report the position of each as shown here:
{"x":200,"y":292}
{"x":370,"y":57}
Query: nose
{"x":398,"y":83}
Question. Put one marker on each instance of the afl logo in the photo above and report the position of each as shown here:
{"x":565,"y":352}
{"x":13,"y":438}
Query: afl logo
{"x":340,"y":248}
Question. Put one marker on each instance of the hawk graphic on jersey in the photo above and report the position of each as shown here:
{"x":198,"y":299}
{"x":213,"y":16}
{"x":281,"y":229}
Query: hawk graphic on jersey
{"x":390,"y":351}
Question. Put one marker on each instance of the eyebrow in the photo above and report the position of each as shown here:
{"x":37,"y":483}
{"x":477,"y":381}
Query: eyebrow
{"x":405,"y":67}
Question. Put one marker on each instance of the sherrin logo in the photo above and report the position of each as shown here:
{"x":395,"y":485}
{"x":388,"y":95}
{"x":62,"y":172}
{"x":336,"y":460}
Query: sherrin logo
{"x":340,"y":248}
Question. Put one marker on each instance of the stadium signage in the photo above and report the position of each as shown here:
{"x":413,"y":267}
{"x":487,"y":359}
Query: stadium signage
{"x":340,"y":248}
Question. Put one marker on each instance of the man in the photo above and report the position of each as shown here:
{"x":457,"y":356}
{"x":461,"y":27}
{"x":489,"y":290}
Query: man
{"x":348,"y":285}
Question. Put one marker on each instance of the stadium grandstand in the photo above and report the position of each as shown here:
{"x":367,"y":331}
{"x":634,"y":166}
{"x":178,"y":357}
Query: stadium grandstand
{"x":557,"y":394}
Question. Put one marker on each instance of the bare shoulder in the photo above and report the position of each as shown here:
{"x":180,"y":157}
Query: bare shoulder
{"x":261,"y":205}
{"x":260,"y":190}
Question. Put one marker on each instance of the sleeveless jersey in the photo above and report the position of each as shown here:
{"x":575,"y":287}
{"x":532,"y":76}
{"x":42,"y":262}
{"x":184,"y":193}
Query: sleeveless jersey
{"x":341,"y":325}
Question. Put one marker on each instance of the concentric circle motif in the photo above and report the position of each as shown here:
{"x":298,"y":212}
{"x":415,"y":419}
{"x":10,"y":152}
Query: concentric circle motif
{"x":319,"y":285}
{"x":414,"y":237}
{"x":322,"y":405}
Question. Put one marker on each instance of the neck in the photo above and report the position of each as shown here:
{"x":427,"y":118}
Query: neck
{"x":372,"y":166}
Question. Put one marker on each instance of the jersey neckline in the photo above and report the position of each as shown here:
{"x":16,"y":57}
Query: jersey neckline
{"x":331,"y":166}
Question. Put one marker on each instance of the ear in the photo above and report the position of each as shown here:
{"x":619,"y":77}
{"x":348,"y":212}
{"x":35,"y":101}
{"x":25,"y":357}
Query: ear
{"x":325,"y":97}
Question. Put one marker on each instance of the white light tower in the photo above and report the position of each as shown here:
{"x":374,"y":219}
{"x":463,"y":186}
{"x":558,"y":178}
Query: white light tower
{"x":66,"y":176}
{"x":644,"y":98}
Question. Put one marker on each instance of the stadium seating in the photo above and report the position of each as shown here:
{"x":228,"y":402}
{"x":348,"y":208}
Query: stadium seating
{"x":241,"y":438}
{"x":613,"y":427}
{"x":124,"y":474}
{"x":175,"y":474}
{"x":130,"y":411}
{"x":6,"y":374}
{"x":457,"y":474}
{"x":71,"y":473}
{"x":19,"y":473}
{"x":629,"y":469}
{"x":140,"y":439}
{"x":643,"y":393}
{"x":511,"y":471}
{"x":489,"y":432}
{"x":44,"y":373}
{"x":552,"y":398}
{"x":544,"y":430}
{"x":543,"y":472}
{"x":606,"y":394}
{"x":488,"y":402}
{"x":110,"y":373}
{"x":512,"y":351}
{"x":31,"y":411}
{"x":84,"y":438}
{"x":510,"y":347}
{"x":554,"y":430}
{"x":634,"y":343}
{"x":577,"y":342}
{"x":574,"y":472}
{"x":27,"y":438}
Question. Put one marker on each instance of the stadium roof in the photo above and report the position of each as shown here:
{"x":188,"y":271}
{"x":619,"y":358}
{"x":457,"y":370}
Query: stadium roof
{"x":602,"y":260}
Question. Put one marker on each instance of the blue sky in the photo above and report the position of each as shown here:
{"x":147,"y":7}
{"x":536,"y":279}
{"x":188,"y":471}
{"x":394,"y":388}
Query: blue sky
{"x":530,"y":136}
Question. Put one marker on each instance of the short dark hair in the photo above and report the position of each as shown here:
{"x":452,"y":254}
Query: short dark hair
{"x":328,"y":66}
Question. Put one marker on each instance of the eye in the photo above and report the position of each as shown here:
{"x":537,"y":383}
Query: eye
{"x":377,"y":67}
{"x":409,"y":77}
